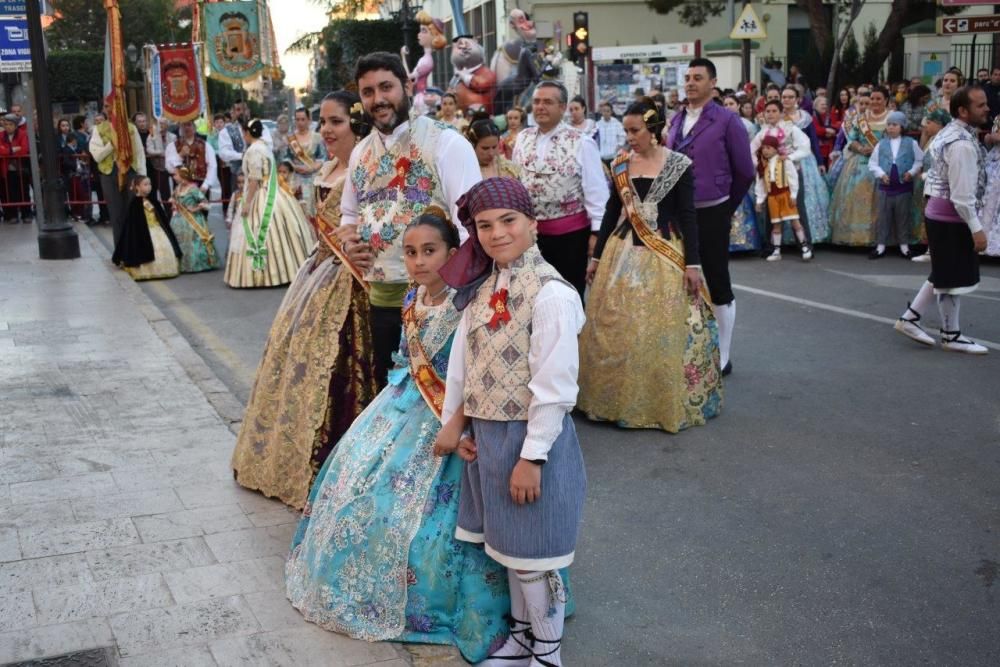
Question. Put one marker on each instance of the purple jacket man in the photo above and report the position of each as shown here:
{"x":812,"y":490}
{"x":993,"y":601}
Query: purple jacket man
{"x":723,"y":167}
{"x":714,"y":138}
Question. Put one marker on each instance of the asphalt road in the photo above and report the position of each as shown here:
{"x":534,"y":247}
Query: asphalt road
{"x":843,"y":509}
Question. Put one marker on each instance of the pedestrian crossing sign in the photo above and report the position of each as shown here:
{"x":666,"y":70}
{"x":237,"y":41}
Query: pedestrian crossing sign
{"x":748,"y":25}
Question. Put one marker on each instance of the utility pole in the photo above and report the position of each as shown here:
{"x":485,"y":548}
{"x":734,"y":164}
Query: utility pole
{"x":56,"y":237}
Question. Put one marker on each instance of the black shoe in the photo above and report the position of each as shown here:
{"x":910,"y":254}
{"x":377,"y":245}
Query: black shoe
{"x":727,"y":369}
{"x":875,"y":254}
{"x":906,"y":254}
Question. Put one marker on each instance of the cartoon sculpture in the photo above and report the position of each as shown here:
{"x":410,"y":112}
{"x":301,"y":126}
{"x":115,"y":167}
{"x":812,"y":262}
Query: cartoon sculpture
{"x":474,"y":82}
{"x":431,"y":37}
{"x":507,"y":56}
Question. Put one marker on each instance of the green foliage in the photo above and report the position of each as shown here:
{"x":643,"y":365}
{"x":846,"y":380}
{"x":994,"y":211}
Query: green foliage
{"x":82,"y":23}
{"x":691,"y":12}
{"x":850,"y":59}
{"x":76,"y":75}
{"x":345,"y":40}
{"x":870,"y":48}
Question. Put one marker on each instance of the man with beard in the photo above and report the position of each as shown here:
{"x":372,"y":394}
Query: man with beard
{"x":474,"y":83}
{"x":431,"y":164}
{"x":196,"y":154}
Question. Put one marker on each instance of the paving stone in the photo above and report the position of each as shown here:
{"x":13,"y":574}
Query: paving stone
{"x":191,"y":523}
{"x":101,"y":598}
{"x":77,"y":486}
{"x":140,"y":559}
{"x":274,"y":611}
{"x":275,"y":517}
{"x":16,"y":611}
{"x":24,"y":575}
{"x":50,"y":640}
{"x":195,"y":623}
{"x":226,"y":579}
{"x":127,"y":504}
{"x":21,"y":469}
{"x":251,"y":543}
{"x":9,"y":547}
{"x":192,"y":656}
{"x":101,"y":459}
{"x":158,"y":477}
{"x":202,"y":495}
{"x":55,"y":513}
{"x":40,"y":541}
{"x":305,"y":645}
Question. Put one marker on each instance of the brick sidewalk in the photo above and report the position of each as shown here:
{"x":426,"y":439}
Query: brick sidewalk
{"x":120,"y":523}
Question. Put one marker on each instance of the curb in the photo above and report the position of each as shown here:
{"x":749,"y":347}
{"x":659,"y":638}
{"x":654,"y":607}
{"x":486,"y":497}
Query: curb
{"x":224,"y":402}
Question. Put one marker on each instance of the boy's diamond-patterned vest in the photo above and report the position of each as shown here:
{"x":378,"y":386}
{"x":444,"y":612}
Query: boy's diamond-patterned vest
{"x":497,"y":376}
{"x":393,"y":187}
{"x":554,"y":180}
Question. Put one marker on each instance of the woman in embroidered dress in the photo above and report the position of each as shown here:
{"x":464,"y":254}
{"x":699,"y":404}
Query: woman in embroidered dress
{"x":484,"y":136}
{"x":307,"y":154}
{"x":316,"y":375}
{"x":814,"y":195}
{"x":375,"y":555}
{"x":270,"y":237}
{"x":744,"y":234}
{"x":517,"y":120}
{"x":991,"y":200}
{"x":146,"y":247}
{"x":852,"y":207}
{"x":450,"y":114}
{"x":649,"y":351}
{"x":190,"y":225}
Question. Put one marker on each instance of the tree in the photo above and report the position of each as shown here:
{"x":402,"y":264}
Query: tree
{"x":850,"y":60}
{"x":80,"y":24}
{"x":852,"y":10}
{"x":692,"y":12}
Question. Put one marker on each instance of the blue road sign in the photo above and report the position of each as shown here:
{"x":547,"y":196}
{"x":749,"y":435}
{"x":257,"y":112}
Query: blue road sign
{"x":15,"y":53}
{"x":13,"y":7}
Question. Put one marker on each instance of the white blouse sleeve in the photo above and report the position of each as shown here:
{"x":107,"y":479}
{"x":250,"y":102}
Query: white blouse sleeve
{"x":454,"y":388}
{"x":554,"y":361}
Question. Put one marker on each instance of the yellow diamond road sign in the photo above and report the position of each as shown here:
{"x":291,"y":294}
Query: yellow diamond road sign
{"x":748,"y":25}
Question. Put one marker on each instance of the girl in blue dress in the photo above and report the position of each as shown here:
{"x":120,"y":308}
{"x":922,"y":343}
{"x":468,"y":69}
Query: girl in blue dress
{"x":375,"y":555}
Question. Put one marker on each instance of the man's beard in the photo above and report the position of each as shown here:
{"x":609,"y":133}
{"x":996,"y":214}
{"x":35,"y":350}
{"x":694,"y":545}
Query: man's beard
{"x":401,"y":114}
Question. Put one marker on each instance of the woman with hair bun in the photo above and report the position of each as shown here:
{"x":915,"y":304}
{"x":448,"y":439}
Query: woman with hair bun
{"x":190,"y":225}
{"x":270,"y":237}
{"x":649,"y":355}
{"x":317,"y":372}
{"x":484,"y":136}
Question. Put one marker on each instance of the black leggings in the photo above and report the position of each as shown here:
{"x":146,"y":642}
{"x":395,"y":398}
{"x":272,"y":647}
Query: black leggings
{"x":714,"y":224}
{"x":567,"y":253}
{"x":387,"y":325}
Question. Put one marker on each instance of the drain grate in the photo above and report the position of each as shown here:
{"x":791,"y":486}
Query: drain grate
{"x":98,"y":657}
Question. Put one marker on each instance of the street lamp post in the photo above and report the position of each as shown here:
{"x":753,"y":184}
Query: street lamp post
{"x":56,"y":237}
{"x":405,"y":15}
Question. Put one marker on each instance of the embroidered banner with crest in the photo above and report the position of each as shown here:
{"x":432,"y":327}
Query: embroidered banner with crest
{"x":233,"y":39}
{"x":177,"y":89}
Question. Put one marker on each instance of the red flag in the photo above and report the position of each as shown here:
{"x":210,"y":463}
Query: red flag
{"x":179,"y":82}
{"x":114,"y":90}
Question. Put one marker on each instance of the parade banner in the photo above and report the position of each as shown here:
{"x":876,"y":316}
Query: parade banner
{"x":114,"y":90}
{"x":232,"y":40}
{"x":176,"y":83}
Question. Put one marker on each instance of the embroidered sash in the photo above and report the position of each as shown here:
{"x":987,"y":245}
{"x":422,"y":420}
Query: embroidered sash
{"x":659,"y":245}
{"x":866,"y":131}
{"x":327,"y":231}
{"x":257,"y":245}
{"x":202,"y":231}
{"x":300,"y":152}
{"x":430,"y":385}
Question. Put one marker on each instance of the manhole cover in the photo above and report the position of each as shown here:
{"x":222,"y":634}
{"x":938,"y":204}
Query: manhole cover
{"x":98,"y":657}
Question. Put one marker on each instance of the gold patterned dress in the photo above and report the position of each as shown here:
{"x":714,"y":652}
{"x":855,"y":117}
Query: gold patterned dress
{"x":273,"y":218}
{"x":316,"y":375}
{"x":649,"y":354}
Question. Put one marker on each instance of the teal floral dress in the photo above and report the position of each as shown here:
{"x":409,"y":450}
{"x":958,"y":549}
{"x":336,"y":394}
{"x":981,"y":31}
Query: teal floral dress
{"x":190,"y":226}
{"x":375,"y":555}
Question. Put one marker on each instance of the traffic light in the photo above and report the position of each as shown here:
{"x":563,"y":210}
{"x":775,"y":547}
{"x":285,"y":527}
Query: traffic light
{"x":579,"y":39}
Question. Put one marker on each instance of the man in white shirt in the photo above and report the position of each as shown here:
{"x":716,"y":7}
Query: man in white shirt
{"x":231,"y":144}
{"x":610,"y":134}
{"x":562,"y":170}
{"x":193,"y":152}
{"x":954,"y":188}
{"x":433,"y":165}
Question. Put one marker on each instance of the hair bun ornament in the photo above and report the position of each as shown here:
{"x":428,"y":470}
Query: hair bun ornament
{"x":256,"y":128}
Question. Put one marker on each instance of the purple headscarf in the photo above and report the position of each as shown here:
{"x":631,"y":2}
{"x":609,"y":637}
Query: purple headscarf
{"x":470,"y":266}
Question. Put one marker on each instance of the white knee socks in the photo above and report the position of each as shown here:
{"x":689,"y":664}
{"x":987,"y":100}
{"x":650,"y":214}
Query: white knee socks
{"x":921,"y":302}
{"x":518,"y":644}
{"x":545,"y":598}
{"x":948,"y":305}
{"x":725,"y":316}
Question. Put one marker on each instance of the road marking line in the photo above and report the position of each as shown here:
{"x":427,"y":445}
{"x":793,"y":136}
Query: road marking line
{"x":216,"y":345}
{"x":837,"y":309}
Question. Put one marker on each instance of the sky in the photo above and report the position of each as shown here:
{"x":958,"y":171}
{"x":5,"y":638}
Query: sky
{"x":292,"y":19}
